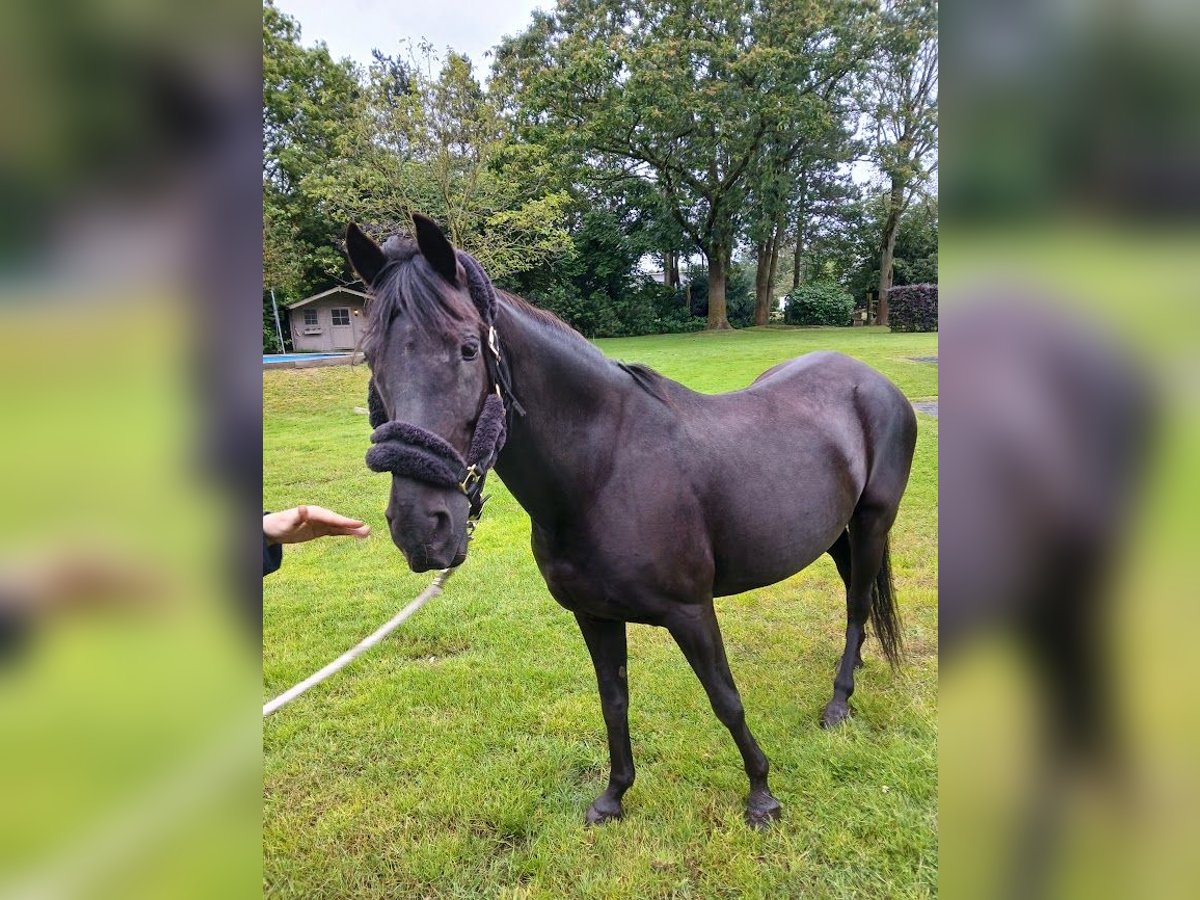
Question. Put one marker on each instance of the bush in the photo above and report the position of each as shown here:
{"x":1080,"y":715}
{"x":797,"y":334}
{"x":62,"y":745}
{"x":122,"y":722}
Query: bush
{"x":819,"y":303}
{"x":913,"y":307}
{"x":646,"y":308}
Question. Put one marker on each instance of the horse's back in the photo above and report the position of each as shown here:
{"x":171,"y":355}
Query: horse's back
{"x":827,"y":387}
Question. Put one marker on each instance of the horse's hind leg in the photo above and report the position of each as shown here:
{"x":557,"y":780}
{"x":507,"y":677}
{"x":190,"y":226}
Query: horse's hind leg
{"x":606,"y":644}
{"x":696,"y":631}
{"x":866,"y":542}
{"x":840,"y":552}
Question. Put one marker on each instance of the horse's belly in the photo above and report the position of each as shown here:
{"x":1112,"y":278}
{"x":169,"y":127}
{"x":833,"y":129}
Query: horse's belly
{"x":631,"y":572}
{"x":781,"y":538}
{"x":758,"y":564}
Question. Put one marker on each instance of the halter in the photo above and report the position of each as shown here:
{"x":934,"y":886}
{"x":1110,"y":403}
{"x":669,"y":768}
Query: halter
{"x":410,"y":451}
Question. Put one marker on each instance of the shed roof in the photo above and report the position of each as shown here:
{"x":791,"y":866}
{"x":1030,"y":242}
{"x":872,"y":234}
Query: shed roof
{"x":357,"y":295}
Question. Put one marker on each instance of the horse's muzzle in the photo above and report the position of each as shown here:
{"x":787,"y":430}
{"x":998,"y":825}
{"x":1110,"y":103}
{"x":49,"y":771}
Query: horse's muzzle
{"x":428,"y":540}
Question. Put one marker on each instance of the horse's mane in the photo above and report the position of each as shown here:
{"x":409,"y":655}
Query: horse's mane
{"x":643,"y":376}
{"x":408,"y":284}
{"x":647,"y":379}
{"x":542,"y":315}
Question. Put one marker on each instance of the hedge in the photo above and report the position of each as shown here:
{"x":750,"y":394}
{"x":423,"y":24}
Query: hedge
{"x":913,"y":307}
{"x":819,"y":303}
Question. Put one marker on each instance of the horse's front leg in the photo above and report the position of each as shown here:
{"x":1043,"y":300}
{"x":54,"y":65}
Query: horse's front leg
{"x":606,"y":643}
{"x":696,"y":631}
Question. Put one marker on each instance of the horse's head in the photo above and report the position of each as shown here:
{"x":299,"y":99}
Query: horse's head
{"x":425,"y":343}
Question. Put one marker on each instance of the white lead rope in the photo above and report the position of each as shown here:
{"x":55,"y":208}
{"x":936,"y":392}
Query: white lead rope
{"x":362,"y":647}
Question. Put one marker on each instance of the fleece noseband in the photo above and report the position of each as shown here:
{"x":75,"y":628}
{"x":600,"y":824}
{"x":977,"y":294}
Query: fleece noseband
{"x":413,"y":452}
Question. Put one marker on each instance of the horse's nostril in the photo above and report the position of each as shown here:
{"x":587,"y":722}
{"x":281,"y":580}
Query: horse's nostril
{"x":441,"y":524}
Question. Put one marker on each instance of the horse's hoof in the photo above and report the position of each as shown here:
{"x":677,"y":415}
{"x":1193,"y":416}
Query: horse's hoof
{"x":762,"y":810}
{"x":836,"y":712}
{"x":599,"y":813}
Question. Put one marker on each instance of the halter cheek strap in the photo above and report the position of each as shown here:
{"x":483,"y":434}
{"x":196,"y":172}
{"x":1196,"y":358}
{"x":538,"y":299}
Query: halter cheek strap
{"x":413,"y":452}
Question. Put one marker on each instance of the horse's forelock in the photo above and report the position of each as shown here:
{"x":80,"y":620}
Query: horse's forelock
{"x":409,"y":285}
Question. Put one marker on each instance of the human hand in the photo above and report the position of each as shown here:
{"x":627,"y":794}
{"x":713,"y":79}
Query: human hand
{"x":78,"y":577}
{"x":304,"y":523}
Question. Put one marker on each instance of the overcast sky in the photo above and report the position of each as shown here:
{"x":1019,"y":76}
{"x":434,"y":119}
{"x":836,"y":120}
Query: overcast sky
{"x":354,"y":27}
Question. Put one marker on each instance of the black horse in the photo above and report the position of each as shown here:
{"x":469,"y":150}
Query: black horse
{"x":647,"y":500}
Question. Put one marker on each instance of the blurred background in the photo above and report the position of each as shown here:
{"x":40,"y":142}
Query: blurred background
{"x":130,"y":267}
{"x":1070,"y":188}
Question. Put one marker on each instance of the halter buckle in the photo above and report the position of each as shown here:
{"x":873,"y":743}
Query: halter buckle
{"x":471,"y":479}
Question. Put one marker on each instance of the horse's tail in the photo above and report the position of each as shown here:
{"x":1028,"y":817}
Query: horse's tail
{"x":885,"y":618}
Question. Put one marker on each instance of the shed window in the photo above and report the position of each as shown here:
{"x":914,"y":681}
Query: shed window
{"x":310,"y":318}
{"x":340,"y":316}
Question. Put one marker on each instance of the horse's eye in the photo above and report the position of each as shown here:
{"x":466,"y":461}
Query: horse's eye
{"x":470,"y":351}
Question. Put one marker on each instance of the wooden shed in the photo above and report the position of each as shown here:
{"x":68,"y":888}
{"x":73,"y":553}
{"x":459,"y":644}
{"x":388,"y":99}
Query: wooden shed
{"x":328,"y":321}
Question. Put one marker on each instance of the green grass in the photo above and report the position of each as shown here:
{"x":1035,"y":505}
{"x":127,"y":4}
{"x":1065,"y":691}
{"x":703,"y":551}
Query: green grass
{"x":457,"y":759}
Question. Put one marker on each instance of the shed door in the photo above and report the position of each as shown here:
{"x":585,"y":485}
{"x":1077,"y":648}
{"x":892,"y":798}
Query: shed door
{"x":342,"y":332}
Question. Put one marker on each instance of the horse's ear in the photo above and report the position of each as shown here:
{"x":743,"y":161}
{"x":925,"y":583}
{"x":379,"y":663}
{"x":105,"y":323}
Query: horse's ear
{"x":364,"y":253}
{"x":437,"y":250}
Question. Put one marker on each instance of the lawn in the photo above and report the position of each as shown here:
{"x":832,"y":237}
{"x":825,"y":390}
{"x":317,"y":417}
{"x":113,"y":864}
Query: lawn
{"x":457,"y":759}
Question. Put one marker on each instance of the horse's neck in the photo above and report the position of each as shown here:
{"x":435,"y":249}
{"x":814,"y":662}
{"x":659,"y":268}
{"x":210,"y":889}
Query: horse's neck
{"x":572,"y":398}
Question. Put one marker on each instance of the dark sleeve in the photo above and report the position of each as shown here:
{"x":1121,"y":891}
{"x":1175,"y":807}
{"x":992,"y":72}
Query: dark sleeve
{"x":14,"y":631}
{"x":272,"y":556}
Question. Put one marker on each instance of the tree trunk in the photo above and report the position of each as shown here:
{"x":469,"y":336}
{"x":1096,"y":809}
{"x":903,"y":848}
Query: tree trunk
{"x":776,"y":242}
{"x":798,"y":259}
{"x":762,"y":282}
{"x":887,"y":249}
{"x":671,"y":266}
{"x":764,"y":279}
{"x":718,"y":265}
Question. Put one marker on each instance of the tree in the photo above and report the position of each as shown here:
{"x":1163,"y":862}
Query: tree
{"x":827,"y":209}
{"x":431,"y":140}
{"x":685,"y":94}
{"x":794,"y":178}
{"x":916,"y":257}
{"x":903,"y":92}
{"x":309,"y":101}
{"x":854,"y":252}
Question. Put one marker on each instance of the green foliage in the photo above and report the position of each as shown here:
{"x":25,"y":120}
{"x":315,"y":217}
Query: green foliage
{"x":697,"y":98}
{"x":852,"y":254}
{"x":609,"y":132}
{"x":648,"y":308}
{"x":597,"y":287}
{"x":437,"y":144}
{"x":903,"y":99}
{"x":309,"y":101}
{"x":270,"y":335}
{"x":819,"y":303}
{"x":916,"y":259}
